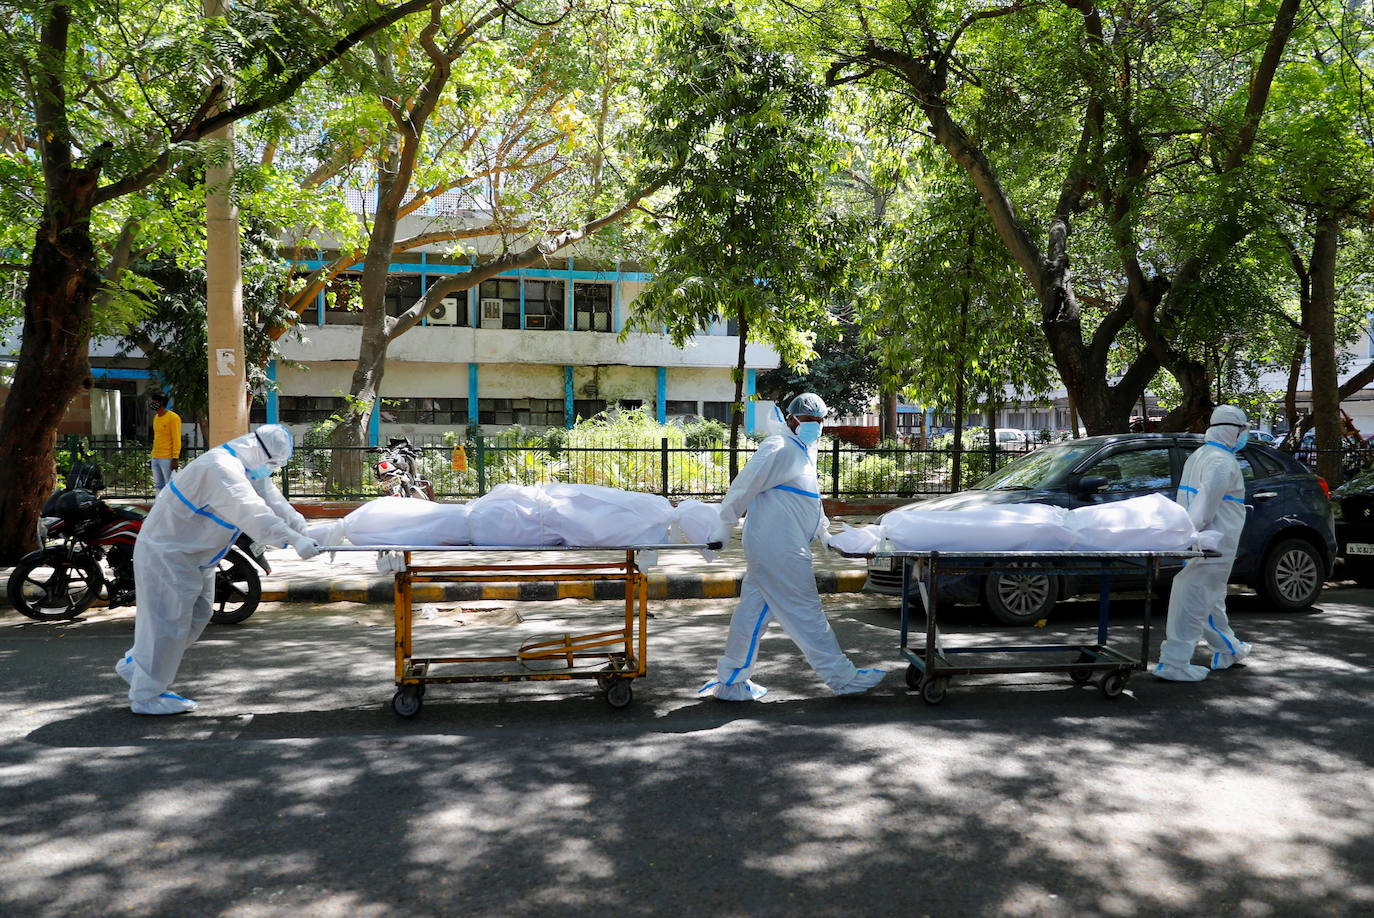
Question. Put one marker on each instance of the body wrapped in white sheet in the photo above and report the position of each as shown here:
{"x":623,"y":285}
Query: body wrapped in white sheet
{"x":1001,"y":527}
{"x":1149,"y":523}
{"x":542,"y":515}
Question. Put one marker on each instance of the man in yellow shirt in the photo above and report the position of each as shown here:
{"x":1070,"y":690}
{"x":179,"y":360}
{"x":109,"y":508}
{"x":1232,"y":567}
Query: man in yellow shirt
{"x":166,"y":440}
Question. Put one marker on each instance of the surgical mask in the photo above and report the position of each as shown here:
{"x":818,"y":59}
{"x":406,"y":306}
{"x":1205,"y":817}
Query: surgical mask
{"x":809,"y":431}
{"x":258,"y":472}
{"x":1243,"y":439}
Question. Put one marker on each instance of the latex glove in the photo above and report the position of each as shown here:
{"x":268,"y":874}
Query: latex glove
{"x":305,"y":546}
{"x":1208,"y":540}
{"x":823,"y":536}
{"x":390,"y":562}
{"x":723,"y":533}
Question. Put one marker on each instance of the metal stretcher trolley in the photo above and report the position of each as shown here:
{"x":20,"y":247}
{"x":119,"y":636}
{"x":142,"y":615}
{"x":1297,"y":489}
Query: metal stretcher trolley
{"x":614,"y":657}
{"x":932,"y":663}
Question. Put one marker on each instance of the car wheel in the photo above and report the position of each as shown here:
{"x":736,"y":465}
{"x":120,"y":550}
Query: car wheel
{"x":1020,"y":599}
{"x":1292,"y":575}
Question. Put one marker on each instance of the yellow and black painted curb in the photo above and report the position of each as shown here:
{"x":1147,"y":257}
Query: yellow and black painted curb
{"x":661,"y":586}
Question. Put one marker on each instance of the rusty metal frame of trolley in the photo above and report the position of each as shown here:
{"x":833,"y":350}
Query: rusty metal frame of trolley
{"x":613,"y":657}
{"x":930,"y":668}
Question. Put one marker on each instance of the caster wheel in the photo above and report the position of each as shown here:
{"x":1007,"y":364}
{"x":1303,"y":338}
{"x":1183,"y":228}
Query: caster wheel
{"x":1114,"y":683}
{"x":605,"y":682}
{"x":1082,"y":676}
{"x":933,"y":690}
{"x":420,"y":690}
{"x":619,"y":694}
{"x":406,"y":703}
{"x":914,"y":677}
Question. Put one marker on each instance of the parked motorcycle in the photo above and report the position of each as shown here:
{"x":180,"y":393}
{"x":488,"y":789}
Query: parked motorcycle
{"x":78,"y":531}
{"x":397,"y":470}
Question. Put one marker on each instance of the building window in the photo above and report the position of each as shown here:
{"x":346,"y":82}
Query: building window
{"x":630,"y":404}
{"x":402,"y":292}
{"x":308,"y":409}
{"x":544,"y":305}
{"x":732,"y":327}
{"x":716,"y":411}
{"x":592,"y":307}
{"x":529,"y":412}
{"x":588,"y":407}
{"x":680,"y":409}
{"x":446,"y":411}
{"x":508,"y":292}
{"x":342,"y":301}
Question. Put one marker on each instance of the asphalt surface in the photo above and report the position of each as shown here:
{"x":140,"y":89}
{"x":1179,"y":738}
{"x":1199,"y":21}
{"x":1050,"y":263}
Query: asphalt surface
{"x":294,"y":790}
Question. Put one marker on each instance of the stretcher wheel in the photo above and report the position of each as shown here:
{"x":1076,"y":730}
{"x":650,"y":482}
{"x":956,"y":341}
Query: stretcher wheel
{"x":933,"y":690}
{"x":406,"y":703}
{"x":604,"y":681}
{"x":619,"y":694}
{"x":914,"y":677}
{"x":1114,"y":683}
{"x":1081,"y":676}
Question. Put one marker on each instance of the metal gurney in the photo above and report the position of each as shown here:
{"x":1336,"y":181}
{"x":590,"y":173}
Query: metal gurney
{"x":614,"y":657}
{"x":931,"y":663}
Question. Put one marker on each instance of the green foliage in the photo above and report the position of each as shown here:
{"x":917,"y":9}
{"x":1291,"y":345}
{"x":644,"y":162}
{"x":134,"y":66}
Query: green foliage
{"x":740,"y":129}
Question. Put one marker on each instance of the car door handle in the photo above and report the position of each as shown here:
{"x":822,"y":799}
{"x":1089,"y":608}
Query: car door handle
{"x":1265,"y":495}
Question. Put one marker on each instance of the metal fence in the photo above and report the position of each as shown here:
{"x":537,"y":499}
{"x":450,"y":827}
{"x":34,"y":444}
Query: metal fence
{"x":673,"y":469}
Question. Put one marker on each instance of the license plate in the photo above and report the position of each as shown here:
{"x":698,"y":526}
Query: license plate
{"x":892,"y":564}
{"x":1359,"y":548}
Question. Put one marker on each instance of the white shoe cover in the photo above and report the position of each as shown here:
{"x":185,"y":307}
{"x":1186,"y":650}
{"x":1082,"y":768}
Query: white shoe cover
{"x":1227,"y":660}
{"x":747,"y":690}
{"x":125,"y":668}
{"x":166,"y":703}
{"x":863,"y":680}
{"x":1176,"y":673}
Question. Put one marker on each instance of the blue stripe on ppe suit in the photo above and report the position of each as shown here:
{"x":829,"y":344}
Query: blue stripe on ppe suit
{"x":1212,"y":489}
{"x":174,"y":558}
{"x":779,"y":488}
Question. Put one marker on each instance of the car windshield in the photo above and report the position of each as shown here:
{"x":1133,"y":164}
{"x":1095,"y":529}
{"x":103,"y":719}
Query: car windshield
{"x":1032,"y":470}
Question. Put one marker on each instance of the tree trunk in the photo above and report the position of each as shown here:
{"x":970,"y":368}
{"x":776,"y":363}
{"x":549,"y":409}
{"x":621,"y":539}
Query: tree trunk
{"x":737,"y":415}
{"x":1192,"y":413}
{"x":890,"y":416}
{"x":54,"y":365}
{"x":1326,"y":402}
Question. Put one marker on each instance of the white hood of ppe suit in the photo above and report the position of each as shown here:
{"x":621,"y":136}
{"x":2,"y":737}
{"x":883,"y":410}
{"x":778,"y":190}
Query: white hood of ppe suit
{"x":262,"y":451}
{"x":1223,"y":429}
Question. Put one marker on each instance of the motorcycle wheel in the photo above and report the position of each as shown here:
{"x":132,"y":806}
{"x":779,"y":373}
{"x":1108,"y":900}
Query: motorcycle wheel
{"x":51,"y":585}
{"x":238,"y":590}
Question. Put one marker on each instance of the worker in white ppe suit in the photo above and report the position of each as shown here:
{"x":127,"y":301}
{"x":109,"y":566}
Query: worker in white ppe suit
{"x":1213,"y":491}
{"x":779,"y":488}
{"x":193,"y":523}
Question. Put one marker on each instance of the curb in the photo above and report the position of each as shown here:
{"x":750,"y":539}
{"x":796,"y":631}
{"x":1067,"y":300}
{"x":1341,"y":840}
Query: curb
{"x":379,"y":590}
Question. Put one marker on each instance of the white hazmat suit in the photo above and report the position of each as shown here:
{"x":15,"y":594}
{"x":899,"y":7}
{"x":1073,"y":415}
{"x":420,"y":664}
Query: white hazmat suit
{"x":779,"y":488}
{"x":193,"y":524}
{"x":1212,"y":489}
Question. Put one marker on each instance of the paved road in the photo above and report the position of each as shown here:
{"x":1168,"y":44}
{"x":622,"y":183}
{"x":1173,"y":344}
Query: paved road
{"x":295,"y":791}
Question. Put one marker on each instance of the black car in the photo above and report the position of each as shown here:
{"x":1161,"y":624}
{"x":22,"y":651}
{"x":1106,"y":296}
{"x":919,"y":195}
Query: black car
{"x":1287,"y":549}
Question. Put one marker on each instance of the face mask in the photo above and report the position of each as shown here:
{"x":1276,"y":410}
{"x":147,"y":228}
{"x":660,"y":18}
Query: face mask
{"x":809,"y":431}
{"x":1243,"y":439}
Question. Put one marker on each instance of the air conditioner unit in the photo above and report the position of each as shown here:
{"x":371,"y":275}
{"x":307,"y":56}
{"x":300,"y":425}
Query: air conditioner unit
{"x":536,"y":321}
{"x":446,"y":313}
{"x":491,"y":313}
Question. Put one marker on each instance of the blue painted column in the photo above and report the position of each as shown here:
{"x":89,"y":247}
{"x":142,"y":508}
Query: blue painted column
{"x":569,"y":413}
{"x":474,"y":304}
{"x":750,"y":383}
{"x":319,"y":308}
{"x":662,"y":399}
{"x":374,"y":422}
{"x":424,"y":282}
{"x":615,"y":317}
{"x":472,"y":397}
{"x":272,"y":393}
{"x":570,"y":312}
{"x":522,"y":300}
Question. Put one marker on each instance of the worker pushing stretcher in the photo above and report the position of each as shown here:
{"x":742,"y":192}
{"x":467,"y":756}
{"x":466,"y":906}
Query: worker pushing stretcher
{"x":229,"y":488}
